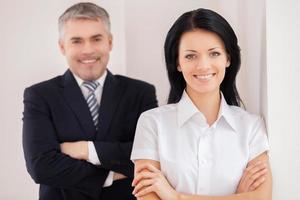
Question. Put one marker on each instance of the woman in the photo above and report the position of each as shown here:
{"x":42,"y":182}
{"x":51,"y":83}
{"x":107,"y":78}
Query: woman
{"x":201,"y":145}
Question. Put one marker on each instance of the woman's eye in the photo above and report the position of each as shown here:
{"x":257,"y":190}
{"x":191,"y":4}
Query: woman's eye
{"x":190,"y":56}
{"x":214,"y":54}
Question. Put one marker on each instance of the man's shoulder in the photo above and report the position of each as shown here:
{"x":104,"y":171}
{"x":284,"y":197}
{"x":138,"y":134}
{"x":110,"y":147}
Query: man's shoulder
{"x":47,"y":85}
{"x":132,"y":82}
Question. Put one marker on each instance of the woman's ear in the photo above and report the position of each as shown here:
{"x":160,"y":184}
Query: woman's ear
{"x":179,"y":68}
{"x":228,"y":61}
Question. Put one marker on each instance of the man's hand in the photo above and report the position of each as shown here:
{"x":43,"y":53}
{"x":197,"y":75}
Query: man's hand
{"x":78,"y":150}
{"x":118,"y":176}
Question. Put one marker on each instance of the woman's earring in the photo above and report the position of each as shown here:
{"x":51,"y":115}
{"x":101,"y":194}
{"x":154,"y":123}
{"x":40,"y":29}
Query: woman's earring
{"x":178,"y":68}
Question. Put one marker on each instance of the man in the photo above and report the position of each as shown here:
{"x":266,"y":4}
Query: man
{"x":78,"y":128}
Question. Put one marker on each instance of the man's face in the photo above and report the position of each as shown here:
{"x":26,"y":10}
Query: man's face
{"x":86,"y":45}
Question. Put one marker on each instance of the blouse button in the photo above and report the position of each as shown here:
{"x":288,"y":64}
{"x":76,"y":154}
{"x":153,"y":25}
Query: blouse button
{"x":203,"y":162}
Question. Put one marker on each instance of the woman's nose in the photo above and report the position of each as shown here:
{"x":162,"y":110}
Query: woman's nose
{"x":203,"y":63}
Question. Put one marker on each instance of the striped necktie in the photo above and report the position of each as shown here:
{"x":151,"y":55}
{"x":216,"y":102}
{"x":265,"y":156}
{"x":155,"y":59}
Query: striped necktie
{"x":92,"y":101}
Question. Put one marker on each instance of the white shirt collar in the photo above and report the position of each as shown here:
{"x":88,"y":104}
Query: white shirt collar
{"x":227,"y":113}
{"x":187,"y":109}
{"x":99,"y":80}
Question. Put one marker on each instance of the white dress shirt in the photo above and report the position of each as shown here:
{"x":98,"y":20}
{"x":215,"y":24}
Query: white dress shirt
{"x":197,"y":158}
{"x":93,"y":157}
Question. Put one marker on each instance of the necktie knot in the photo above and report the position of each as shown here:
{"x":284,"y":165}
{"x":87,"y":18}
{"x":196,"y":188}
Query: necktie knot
{"x":91,"y":85}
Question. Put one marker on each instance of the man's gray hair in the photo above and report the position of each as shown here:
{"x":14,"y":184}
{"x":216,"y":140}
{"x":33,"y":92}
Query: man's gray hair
{"x":85,"y":10}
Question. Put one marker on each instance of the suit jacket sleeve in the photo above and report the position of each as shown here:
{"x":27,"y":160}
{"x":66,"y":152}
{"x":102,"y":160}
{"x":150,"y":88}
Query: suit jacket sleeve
{"x":44,"y":160}
{"x":115,"y":156}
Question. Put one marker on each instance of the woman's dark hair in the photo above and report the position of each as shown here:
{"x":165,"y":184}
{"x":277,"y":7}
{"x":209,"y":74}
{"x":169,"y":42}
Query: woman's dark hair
{"x":210,"y":21}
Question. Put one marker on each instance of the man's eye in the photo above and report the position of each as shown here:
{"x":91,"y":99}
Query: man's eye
{"x":97,"y":39}
{"x":75,"y":41}
{"x":214,"y":54}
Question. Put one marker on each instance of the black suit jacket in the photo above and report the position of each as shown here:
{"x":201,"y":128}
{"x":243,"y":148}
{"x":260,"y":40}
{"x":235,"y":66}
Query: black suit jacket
{"x":55,"y":111}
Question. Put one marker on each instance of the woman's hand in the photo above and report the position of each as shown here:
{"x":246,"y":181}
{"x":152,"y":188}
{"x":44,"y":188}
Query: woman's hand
{"x":152,"y":180}
{"x":253,"y":177}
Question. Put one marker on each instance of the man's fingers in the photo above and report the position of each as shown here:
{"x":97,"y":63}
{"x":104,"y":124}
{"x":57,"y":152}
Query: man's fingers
{"x":118,"y":176}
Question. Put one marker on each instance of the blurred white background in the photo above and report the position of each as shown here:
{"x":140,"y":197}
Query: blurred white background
{"x":268,"y":34}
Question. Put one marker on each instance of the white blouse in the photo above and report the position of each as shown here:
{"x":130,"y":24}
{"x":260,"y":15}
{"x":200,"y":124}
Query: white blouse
{"x":196,"y":158}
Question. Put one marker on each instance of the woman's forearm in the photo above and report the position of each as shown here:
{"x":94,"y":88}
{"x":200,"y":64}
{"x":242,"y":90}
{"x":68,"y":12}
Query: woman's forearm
{"x":151,"y":196}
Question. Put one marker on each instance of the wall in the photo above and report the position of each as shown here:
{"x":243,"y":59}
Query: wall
{"x":29,"y":54}
{"x":147,"y":24}
{"x":283,"y":30}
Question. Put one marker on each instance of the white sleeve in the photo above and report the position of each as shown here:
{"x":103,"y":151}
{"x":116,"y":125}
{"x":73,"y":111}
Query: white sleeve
{"x":93,"y":157}
{"x":109,"y":180}
{"x":258,"y":141}
{"x":145,"y":145}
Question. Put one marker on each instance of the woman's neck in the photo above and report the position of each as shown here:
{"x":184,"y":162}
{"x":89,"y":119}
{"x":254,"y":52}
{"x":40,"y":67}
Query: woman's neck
{"x":207,"y":103}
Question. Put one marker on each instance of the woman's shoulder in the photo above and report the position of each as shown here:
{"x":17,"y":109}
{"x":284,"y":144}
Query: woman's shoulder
{"x":160,"y":112}
{"x":246,"y":123}
{"x":243,"y":116}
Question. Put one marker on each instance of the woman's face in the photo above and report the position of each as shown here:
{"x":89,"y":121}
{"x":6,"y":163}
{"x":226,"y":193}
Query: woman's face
{"x":202,"y":61}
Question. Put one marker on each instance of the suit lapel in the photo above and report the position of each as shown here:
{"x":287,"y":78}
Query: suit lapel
{"x":76,"y":101}
{"x":111,"y":95}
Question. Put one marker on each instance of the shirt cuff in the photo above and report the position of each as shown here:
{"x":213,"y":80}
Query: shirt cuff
{"x":93,"y":157}
{"x":109,"y":180}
